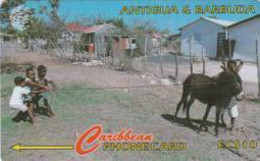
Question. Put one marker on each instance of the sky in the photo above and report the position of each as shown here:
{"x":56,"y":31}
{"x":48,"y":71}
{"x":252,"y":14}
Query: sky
{"x":76,"y":9}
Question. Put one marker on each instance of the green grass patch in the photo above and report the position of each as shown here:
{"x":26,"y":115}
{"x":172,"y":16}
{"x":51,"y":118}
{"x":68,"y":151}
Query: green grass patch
{"x":7,"y":84}
{"x":255,"y":100}
{"x":77,"y":95}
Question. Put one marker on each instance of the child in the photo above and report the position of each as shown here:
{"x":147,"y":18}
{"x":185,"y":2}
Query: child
{"x":233,"y":110}
{"x":44,"y":82}
{"x":31,"y":82}
{"x":18,"y":100}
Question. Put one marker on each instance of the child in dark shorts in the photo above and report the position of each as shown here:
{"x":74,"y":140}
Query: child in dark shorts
{"x":45,"y":96}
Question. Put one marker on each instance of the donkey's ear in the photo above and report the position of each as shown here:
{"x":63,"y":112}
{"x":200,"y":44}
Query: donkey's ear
{"x":223,"y":68}
{"x":239,"y":66}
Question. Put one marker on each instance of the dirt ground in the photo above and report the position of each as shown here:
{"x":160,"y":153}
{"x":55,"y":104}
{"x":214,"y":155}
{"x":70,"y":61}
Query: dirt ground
{"x":117,"y":100}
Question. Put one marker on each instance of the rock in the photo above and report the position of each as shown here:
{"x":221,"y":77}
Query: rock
{"x":152,"y":82}
{"x":93,"y":63}
{"x":142,"y":76}
{"x":178,"y":82}
{"x":166,"y":82}
{"x":75,"y":63}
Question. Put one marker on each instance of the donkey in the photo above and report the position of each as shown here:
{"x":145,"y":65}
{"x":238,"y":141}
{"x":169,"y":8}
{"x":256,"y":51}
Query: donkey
{"x":216,"y":91}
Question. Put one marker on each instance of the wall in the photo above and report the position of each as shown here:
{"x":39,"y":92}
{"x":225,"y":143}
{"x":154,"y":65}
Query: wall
{"x":200,"y":32}
{"x":245,"y":35}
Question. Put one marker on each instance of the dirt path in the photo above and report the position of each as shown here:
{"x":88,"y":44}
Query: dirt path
{"x":145,"y":110}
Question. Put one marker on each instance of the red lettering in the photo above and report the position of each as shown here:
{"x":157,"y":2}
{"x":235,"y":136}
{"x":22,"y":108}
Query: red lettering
{"x":91,"y":139}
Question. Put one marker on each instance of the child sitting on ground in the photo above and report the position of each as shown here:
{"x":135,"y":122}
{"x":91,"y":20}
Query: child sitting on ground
{"x":45,"y":82}
{"x":31,"y":82}
{"x":19,"y":100}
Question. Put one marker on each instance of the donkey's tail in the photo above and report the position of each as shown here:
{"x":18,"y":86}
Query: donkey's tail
{"x":185,"y":93}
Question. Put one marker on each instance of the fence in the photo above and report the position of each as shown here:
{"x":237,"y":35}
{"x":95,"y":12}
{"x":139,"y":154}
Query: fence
{"x":156,"y":60}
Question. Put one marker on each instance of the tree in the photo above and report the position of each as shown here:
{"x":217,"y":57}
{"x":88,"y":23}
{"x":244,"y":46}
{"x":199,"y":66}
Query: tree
{"x":54,"y":5}
{"x":6,"y":8}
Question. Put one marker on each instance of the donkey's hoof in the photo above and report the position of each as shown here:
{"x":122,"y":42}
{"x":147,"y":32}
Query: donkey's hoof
{"x":204,"y":128}
{"x":189,"y":123}
{"x":216,"y":133}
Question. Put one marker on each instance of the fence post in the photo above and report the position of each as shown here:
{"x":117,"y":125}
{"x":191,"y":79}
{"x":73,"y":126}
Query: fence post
{"x":203,"y":61}
{"x":258,"y":66}
{"x":190,"y":54}
{"x":145,"y":51}
{"x":176,"y":61}
{"x":1,"y":48}
{"x":160,"y":52}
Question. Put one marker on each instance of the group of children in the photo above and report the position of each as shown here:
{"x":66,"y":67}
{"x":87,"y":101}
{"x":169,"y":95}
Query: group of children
{"x":29,"y":92}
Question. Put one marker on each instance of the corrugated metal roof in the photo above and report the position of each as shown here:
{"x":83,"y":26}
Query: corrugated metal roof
{"x":77,"y":27}
{"x":245,"y":20}
{"x":220,"y":22}
{"x":224,"y":23}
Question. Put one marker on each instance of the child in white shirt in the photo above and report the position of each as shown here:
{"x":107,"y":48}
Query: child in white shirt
{"x":18,"y":99}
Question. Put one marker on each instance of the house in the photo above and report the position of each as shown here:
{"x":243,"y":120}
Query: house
{"x":245,"y":33}
{"x":120,"y":44}
{"x":173,"y":43}
{"x":94,"y":37}
{"x":221,"y":38}
{"x":202,"y":33}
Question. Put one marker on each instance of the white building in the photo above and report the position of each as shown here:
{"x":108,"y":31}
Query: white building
{"x":245,"y":33}
{"x":211,"y":33}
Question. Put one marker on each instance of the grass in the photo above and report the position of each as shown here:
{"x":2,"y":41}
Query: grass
{"x":255,"y":100}
{"x":7,"y":84}
{"x":69,"y":103}
{"x":77,"y":95}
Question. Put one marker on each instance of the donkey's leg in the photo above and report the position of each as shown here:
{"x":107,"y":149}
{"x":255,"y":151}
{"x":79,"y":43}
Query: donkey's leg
{"x":222,"y":119}
{"x":183,"y":100}
{"x":182,"y":103}
{"x":178,"y":107}
{"x":217,"y":120}
{"x":205,"y":116}
{"x":188,"y":109}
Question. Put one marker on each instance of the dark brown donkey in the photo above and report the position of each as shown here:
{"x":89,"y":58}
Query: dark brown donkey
{"x":216,"y":91}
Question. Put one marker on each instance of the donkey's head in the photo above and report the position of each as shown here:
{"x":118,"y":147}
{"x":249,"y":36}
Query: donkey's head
{"x":229,"y":79}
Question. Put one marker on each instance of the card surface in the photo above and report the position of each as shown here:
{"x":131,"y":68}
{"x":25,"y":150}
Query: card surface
{"x":132,"y":80}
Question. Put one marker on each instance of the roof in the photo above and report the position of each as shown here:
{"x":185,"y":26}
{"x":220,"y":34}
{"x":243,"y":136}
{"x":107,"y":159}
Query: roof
{"x":245,"y":20}
{"x":174,"y":36}
{"x":93,"y":29}
{"x":220,"y":22}
{"x":223,"y":23}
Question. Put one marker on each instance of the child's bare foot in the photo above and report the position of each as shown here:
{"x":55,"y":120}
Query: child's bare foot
{"x":33,"y":120}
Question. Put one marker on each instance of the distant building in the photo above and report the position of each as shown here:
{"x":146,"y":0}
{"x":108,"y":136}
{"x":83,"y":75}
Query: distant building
{"x":173,"y":43}
{"x":221,"y":38}
{"x":94,"y":36}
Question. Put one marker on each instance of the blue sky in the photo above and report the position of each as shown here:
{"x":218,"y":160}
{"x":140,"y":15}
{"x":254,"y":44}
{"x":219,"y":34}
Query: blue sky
{"x":75,"y":9}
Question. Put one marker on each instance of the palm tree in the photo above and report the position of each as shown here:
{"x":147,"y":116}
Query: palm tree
{"x":54,"y":5}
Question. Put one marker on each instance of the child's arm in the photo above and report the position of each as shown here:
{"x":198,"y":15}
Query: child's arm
{"x":240,"y":97}
{"x":36,"y":84}
{"x":36,"y":92}
{"x":52,"y":84}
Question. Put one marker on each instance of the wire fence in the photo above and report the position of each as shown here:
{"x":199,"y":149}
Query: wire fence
{"x":155,"y":61}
